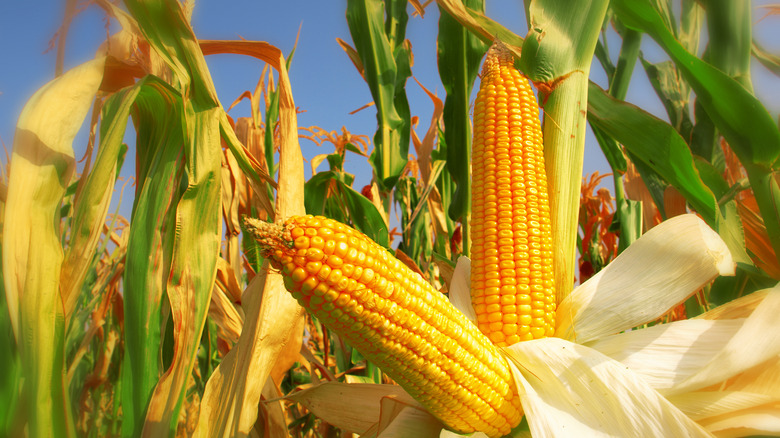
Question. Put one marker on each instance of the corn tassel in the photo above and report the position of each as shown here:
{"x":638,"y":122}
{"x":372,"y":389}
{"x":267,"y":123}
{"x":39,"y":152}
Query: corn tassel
{"x":512,"y":280}
{"x":395,"y":319}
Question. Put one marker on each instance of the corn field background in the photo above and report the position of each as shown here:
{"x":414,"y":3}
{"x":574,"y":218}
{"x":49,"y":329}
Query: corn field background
{"x":134,"y":305}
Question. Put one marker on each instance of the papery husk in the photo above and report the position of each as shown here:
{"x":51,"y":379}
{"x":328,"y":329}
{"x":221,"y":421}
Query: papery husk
{"x":660,"y":270}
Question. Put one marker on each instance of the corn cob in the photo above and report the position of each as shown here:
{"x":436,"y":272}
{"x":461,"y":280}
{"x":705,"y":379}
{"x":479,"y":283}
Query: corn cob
{"x":395,"y":319}
{"x":511,"y":273}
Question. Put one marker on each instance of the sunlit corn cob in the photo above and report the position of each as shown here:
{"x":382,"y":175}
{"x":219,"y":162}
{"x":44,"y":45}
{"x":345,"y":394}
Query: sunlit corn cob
{"x":395,"y":319}
{"x":511,"y":254}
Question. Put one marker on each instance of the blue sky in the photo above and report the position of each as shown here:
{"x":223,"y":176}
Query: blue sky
{"x":325,"y":84}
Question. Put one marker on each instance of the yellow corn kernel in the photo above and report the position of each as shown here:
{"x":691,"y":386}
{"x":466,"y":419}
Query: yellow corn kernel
{"x":510,"y":221}
{"x":397,"y":320}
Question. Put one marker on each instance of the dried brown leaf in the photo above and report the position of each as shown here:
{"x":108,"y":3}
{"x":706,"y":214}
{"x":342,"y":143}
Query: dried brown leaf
{"x":245,"y":95}
{"x":757,"y":238}
{"x":327,"y":400}
{"x":419,"y":9}
{"x":272,"y":418}
{"x":377,"y":201}
{"x":405,"y":259}
{"x":256,"y":199}
{"x":399,"y":419}
{"x":425,"y":146}
{"x":353,"y":56}
{"x":369,"y":104}
{"x":637,"y":190}
{"x":229,"y":406}
{"x":224,"y":314}
{"x":674,"y":202}
{"x":222,"y":310}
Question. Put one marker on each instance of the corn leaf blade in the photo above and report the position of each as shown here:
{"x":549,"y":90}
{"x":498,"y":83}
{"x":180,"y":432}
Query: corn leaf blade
{"x":741,"y":118}
{"x":384,"y":73}
{"x":459,"y":54}
{"x":43,"y":164}
{"x":193,"y":266}
{"x":157,"y":114}
{"x":623,"y":122}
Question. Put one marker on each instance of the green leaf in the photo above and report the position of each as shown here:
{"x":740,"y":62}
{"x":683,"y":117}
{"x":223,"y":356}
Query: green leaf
{"x":158,"y":117}
{"x":655,"y":184}
{"x":738,"y":115}
{"x":417,"y":240}
{"x":43,"y":164}
{"x":10,"y":369}
{"x":364,"y":215}
{"x":673,"y":92}
{"x":730,"y":38}
{"x":655,"y":143}
{"x":437,"y":168}
{"x":381,"y":71}
{"x":92,"y":202}
{"x":602,"y":54}
{"x":327,"y":194}
{"x":704,"y":137}
{"x":691,"y":20}
{"x":611,"y":150}
{"x":729,"y":223}
{"x":165,"y":26}
{"x":741,"y":118}
{"x":619,"y":78}
{"x":196,"y":213}
{"x":624,"y":71}
{"x":459,"y":54}
{"x":470,"y":14}
{"x":194,"y":257}
{"x":629,"y":215}
{"x":271,"y":116}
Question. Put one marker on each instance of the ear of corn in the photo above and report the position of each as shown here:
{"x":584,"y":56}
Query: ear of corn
{"x":395,"y":319}
{"x":511,"y":273}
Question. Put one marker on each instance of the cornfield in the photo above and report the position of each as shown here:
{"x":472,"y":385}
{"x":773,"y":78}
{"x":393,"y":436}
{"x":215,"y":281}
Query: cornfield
{"x":239,"y":293}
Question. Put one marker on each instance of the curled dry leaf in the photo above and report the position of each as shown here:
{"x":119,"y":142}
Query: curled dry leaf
{"x":326,"y":401}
